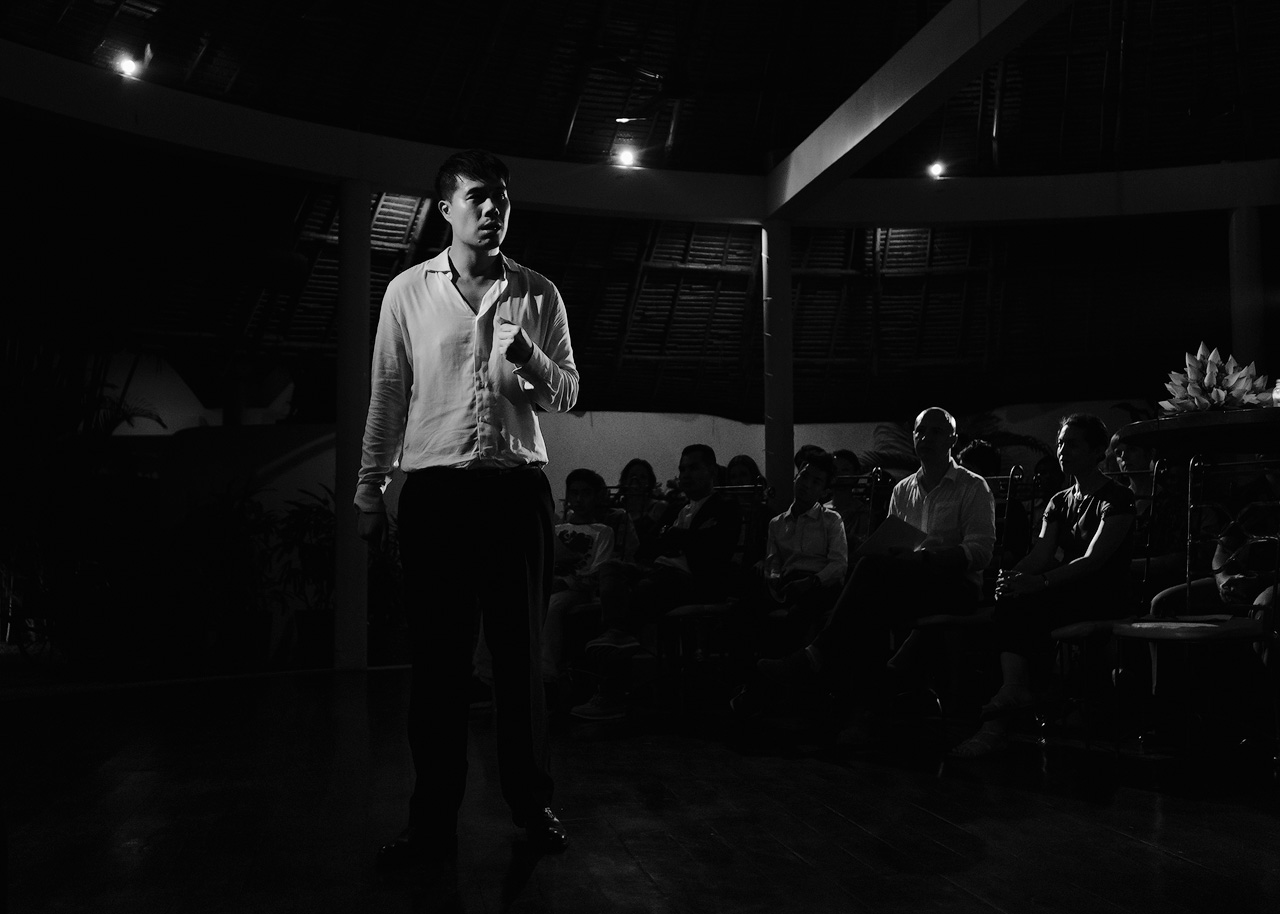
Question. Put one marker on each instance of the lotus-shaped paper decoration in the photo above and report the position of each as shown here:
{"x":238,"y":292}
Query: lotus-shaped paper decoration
{"x":1210,"y":383}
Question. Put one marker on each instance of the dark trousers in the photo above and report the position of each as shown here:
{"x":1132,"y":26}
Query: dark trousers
{"x":1022,"y":624}
{"x":631,"y":596}
{"x":884,"y":594}
{"x":476,"y":546}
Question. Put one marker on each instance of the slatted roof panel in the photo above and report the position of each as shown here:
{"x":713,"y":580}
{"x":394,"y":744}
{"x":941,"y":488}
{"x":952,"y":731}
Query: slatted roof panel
{"x":213,"y":259}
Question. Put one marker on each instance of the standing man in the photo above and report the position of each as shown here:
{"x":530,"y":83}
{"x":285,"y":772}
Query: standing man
{"x":468,"y":344}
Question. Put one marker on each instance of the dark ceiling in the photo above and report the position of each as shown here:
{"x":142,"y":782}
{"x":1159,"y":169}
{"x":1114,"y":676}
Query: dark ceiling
{"x":229,"y":270}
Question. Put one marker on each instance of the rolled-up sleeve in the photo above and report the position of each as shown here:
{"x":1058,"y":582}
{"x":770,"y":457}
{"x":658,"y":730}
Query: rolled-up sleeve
{"x":837,"y":549}
{"x":550,"y":374}
{"x":391,"y":380}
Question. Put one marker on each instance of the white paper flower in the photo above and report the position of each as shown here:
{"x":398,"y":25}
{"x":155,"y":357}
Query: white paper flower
{"x":1209,"y":383}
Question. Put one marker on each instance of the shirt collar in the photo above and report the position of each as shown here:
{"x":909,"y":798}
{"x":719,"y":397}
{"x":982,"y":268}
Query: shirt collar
{"x":815,"y":509}
{"x":953,"y":470}
{"x":694,"y":506}
{"x":440,"y":264}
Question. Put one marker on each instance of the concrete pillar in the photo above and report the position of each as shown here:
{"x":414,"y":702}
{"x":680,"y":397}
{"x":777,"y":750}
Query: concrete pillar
{"x":351,"y":591}
{"x":1248,"y":306}
{"x":779,"y":385}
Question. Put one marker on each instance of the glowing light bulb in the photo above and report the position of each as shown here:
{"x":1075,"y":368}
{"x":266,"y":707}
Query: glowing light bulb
{"x":626,"y":157}
{"x":936,"y":169}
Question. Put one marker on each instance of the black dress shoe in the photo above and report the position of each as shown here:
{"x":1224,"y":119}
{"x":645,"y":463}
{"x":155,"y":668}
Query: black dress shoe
{"x":412,"y":849}
{"x":545,"y":831}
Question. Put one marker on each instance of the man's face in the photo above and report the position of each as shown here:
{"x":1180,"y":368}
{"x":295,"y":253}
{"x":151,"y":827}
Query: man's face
{"x":479,"y":213}
{"x":933,"y":436}
{"x":811,"y":485}
{"x":696,"y":477}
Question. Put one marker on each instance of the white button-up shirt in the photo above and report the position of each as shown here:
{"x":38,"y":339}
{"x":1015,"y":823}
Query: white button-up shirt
{"x":958,"y":511}
{"x":442,"y":395}
{"x":812,"y":542}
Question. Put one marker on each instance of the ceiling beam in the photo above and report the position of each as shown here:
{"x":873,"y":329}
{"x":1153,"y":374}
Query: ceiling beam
{"x":99,"y":97}
{"x":903,"y":202}
{"x":103,"y":98}
{"x":952,"y":49}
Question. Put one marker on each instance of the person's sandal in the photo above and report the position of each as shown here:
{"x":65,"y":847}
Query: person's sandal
{"x":999,"y":708}
{"x":982,"y":743}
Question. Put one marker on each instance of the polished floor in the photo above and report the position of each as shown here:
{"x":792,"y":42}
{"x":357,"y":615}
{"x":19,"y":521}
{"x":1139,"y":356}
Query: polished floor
{"x":270,"y":794}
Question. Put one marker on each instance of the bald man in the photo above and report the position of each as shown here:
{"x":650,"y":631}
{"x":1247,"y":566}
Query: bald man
{"x":955,"y":510}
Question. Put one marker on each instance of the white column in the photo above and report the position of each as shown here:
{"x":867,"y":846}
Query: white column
{"x":779,"y":410}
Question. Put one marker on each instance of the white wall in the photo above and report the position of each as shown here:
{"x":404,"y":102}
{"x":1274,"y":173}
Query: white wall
{"x":605,"y":441}
{"x":602,"y":441}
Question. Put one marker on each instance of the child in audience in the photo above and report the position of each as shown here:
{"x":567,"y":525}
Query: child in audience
{"x":807,"y":556}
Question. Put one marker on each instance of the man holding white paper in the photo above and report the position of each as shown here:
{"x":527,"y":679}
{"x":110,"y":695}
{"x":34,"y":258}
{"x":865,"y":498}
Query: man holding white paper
{"x":949,"y":513}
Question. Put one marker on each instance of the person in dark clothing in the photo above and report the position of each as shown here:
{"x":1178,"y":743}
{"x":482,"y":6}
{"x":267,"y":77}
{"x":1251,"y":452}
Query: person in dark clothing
{"x":1090,"y":524}
{"x":691,"y":561}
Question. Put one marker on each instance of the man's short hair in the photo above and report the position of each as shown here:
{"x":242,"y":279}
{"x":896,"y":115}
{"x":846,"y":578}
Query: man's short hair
{"x":981,"y":457}
{"x":476,"y":164}
{"x":845,"y":454}
{"x":823,"y":463}
{"x":591,"y":477}
{"x":705,"y":453}
{"x":802,"y":455}
{"x":1094,"y":429}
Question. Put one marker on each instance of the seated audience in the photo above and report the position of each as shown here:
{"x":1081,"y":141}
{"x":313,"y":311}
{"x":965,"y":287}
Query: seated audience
{"x":953,"y":512}
{"x":1242,"y":563}
{"x":592,"y":534}
{"x":1090,"y":524}
{"x":1013,"y":526}
{"x":643,"y":501}
{"x":1160,"y":520}
{"x":691,"y":561}
{"x":743,"y":475}
{"x":806,"y":557}
{"x":1046,"y":479}
{"x":854,"y":510}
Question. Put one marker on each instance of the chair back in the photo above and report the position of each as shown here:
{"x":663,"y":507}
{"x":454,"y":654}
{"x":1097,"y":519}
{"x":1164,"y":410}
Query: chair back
{"x":1241,"y":499}
{"x":754,"y":500}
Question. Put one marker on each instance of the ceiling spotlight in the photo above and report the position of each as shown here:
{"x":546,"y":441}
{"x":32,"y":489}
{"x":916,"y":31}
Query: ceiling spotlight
{"x":628,"y":120}
{"x":936,"y":169}
{"x":626,"y":157}
{"x":131,"y":66}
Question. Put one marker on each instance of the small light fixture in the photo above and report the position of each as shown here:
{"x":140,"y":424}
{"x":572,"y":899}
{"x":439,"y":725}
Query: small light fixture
{"x":131,"y":66}
{"x":626,"y":156}
{"x":628,"y":120}
{"x":936,"y":169}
